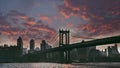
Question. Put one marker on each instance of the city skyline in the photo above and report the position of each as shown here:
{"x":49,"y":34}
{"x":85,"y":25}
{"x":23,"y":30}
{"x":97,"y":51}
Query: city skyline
{"x":33,"y":47}
{"x":41,"y":20}
{"x":84,"y":51}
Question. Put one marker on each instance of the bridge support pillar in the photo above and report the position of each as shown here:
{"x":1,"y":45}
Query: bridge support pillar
{"x":64,"y":40}
{"x":67,"y":58}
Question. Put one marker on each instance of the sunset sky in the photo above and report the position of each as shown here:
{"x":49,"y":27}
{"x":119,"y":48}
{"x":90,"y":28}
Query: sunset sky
{"x":41,"y":19}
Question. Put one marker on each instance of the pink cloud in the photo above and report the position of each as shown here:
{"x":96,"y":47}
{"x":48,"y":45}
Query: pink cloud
{"x":46,"y":18}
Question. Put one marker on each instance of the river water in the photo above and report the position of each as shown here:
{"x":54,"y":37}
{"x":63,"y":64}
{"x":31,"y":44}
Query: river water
{"x":56,"y":65}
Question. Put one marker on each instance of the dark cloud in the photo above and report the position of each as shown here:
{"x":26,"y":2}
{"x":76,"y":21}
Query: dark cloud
{"x":15,"y":23}
{"x":90,"y":9}
{"x":103,"y":16}
{"x":15,"y":13}
{"x":96,"y":29}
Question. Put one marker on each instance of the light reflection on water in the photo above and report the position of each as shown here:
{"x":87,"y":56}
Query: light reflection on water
{"x":55,"y":65}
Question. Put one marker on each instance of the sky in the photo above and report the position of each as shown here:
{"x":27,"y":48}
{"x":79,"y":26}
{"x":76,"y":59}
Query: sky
{"x":41,"y":20}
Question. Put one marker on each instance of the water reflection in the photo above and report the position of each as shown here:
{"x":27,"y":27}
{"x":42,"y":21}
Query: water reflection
{"x":55,"y":65}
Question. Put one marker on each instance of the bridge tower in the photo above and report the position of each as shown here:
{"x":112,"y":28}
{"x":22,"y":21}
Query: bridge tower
{"x":64,"y":37}
{"x":64,"y":40}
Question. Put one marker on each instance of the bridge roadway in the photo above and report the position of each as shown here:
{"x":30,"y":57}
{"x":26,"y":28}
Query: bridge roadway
{"x":96,"y":42}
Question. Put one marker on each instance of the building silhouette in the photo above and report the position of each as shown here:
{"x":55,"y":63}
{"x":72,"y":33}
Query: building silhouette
{"x":20,"y":43}
{"x":32,"y":44}
{"x":113,"y":51}
{"x":84,"y":51}
{"x":25,"y":51}
{"x":37,"y":49}
{"x":5,"y":45}
{"x":9,"y":53}
{"x":44,"y":45}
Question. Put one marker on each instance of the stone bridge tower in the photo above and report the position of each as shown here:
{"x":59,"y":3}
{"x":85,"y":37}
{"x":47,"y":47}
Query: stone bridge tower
{"x":64,"y":37}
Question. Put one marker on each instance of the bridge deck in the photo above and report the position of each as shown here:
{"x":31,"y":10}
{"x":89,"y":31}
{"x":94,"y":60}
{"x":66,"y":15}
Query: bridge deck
{"x":97,"y":42}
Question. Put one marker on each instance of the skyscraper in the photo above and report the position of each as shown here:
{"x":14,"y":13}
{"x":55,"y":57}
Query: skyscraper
{"x":43,"y":45}
{"x":32,"y":44}
{"x":20,"y":46}
{"x":20,"y":43}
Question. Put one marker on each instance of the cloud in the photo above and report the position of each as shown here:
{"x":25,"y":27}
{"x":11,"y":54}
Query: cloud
{"x":31,"y":21}
{"x":96,"y":29}
{"x":65,"y":14}
{"x":101,"y":17}
{"x":69,"y":25}
{"x":15,"y":13}
{"x":15,"y":16}
{"x":71,"y":9}
{"x":15,"y":23}
{"x":46,"y":18}
{"x":89,"y":10}
{"x":23,"y":17}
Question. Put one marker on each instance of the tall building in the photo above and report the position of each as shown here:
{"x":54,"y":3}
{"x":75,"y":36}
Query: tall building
{"x":20,"y":43}
{"x":20,"y":46}
{"x":32,"y":44}
{"x":45,"y":45}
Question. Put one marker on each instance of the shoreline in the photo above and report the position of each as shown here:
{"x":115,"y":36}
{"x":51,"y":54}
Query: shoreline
{"x":99,"y":64}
